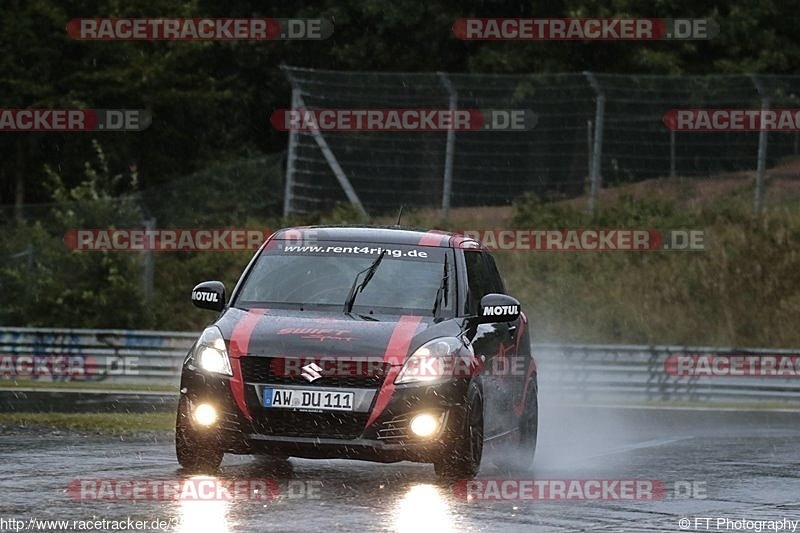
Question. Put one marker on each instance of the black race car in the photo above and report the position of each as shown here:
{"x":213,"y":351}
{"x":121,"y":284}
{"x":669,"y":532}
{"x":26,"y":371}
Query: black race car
{"x":380,"y":344}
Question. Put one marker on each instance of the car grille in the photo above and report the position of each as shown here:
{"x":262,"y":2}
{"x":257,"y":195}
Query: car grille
{"x":394,"y":430}
{"x":294,"y":424}
{"x":230,"y":421}
{"x":257,"y":369}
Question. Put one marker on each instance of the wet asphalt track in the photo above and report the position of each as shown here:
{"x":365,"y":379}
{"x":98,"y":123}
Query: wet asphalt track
{"x":747,"y":465}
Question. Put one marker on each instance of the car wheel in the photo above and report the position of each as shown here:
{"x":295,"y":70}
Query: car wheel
{"x":195,"y":451}
{"x":462,"y":459}
{"x":529,"y":424}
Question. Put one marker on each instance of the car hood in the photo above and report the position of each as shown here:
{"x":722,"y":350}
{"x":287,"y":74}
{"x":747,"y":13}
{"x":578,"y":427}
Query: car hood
{"x":260,"y":332}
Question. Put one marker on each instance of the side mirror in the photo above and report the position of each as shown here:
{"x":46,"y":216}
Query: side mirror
{"x":498,"y":308}
{"x":209,"y":295}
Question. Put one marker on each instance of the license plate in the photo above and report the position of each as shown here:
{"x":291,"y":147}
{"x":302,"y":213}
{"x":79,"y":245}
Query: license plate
{"x":301,"y":399}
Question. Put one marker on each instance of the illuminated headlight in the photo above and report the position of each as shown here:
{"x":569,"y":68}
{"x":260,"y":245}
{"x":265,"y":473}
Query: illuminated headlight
{"x":205,"y":414}
{"x":211,"y":354}
{"x":424,"y":425}
{"x":434,"y":360}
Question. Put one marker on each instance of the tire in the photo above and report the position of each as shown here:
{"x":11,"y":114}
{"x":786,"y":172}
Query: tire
{"x":195,"y":451}
{"x":462,"y":459}
{"x":529,"y":425}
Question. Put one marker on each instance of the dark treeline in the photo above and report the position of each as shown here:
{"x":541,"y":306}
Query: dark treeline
{"x":211,"y":101}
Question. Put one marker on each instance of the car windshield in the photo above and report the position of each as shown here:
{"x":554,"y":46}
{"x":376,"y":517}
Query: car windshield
{"x":406,"y":281}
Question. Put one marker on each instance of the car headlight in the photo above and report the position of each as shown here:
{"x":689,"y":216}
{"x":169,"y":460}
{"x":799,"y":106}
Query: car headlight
{"x":435,"y":360}
{"x":210,"y":353}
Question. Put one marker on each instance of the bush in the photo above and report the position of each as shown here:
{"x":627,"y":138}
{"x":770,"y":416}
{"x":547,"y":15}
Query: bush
{"x":743,"y":291}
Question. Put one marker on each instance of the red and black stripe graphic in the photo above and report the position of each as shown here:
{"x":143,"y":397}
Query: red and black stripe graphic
{"x":396,"y":350}
{"x":239,"y":345}
{"x":434,"y":238}
{"x":523,"y":321}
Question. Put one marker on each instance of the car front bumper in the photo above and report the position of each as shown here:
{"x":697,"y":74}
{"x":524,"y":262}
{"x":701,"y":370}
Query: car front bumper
{"x":326,"y":434}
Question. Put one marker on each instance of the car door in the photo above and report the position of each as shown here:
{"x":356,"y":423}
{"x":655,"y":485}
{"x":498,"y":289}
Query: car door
{"x":511,"y":378}
{"x":492,"y":343}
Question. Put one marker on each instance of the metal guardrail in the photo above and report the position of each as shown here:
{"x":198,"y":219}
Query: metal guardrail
{"x":637,"y":373}
{"x":581,"y":373}
{"x":93,"y":355}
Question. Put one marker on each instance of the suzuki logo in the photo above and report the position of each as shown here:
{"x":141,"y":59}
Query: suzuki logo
{"x":312,"y":371}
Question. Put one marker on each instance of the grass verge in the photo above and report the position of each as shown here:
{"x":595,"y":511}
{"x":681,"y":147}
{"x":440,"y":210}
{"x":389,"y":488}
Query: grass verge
{"x":105,"y":423}
{"x":92,"y":385}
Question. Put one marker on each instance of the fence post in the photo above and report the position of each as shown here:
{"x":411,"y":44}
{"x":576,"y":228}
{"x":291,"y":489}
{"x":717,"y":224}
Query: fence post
{"x":349,"y":191}
{"x":149,"y":267}
{"x":589,"y":142}
{"x":447,"y":179}
{"x":597,"y":148}
{"x":288,"y":190}
{"x":327,"y":153}
{"x":672,"y":169}
{"x":761,"y":165}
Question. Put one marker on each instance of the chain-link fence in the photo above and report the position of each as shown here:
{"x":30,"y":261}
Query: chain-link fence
{"x":593,"y":130}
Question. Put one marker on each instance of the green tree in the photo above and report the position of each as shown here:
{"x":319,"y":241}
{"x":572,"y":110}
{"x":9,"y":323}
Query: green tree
{"x":54,"y":285}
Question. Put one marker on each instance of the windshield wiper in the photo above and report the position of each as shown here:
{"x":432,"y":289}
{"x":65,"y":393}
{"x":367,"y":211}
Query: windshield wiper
{"x":356,"y":287}
{"x":366,"y":317}
{"x":441,"y":293}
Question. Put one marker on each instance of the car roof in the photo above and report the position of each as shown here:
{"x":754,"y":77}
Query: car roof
{"x":379,"y":235}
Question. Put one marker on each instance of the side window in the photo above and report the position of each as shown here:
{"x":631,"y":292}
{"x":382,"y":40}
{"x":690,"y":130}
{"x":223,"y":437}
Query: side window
{"x":497,"y":279}
{"x":480,"y":279}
